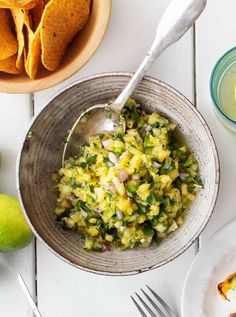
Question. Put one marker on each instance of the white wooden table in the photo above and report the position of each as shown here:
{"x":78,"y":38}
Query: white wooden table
{"x":64,"y":291}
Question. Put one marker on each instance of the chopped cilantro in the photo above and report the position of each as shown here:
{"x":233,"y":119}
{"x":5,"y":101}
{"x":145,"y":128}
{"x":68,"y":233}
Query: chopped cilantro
{"x":91,"y":159}
{"x":147,"y":230}
{"x":167,"y":168}
{"x":151,"y":198}
{"x":73,"y":183}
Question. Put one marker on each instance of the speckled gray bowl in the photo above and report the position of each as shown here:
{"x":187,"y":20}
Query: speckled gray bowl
{"x":41,"y":156}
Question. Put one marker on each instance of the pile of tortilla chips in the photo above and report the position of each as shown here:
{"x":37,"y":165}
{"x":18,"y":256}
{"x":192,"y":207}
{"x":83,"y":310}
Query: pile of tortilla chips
{"x":37,"y":32}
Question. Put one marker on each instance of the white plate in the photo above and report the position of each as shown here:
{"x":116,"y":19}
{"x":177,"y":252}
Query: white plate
{"x":211,"y":266}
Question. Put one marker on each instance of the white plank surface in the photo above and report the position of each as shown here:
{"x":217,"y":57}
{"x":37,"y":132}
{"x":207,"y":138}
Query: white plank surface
{"x":15,"y":114}
{"x":215,"y":34}
{"x":130,"y":34}
{"x":63,"y":290}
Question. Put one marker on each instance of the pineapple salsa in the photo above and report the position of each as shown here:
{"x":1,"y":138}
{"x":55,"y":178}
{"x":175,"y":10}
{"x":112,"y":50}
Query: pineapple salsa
{"x":128,"y":190}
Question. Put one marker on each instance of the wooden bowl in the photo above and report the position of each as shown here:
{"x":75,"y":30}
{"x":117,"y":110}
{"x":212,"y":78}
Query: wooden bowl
{"x":77,"y":54}
{"x":41,"y":156}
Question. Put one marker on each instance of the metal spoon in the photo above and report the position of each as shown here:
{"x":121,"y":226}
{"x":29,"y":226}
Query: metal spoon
{"x":178,"y":18}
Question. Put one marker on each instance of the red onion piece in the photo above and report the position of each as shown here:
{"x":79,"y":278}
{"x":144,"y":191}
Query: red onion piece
{"x":156,"y":164}
{"x":106,"y":143}
{"x":104,"y":247}
{"x":119,"y":214}
{"x":116,"y":182}
{"x":183,"y":175}
{"x":98,"y":211}
{"x":112,"y":157}
{"x":123,"y":175}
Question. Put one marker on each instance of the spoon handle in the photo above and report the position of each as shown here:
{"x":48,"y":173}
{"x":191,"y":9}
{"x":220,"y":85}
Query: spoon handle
{"x":178,"y":18}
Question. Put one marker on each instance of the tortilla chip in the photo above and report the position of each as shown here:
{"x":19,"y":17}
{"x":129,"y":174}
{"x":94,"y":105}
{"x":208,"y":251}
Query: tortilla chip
{"x":19,"y":18}
{"x":8,"y":65}
{"x":61,"y":21}
{"x":37,"y":13}
{"x":8,"y":42}
{"x":33,"y":59}
{"x":89,"y":2}
{"x":20,"y":4}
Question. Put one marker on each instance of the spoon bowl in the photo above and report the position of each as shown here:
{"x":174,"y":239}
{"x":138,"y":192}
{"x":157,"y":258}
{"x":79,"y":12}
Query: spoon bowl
{"x":93,"y":121}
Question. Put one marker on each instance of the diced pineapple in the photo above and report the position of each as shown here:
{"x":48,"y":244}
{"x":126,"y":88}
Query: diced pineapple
{"x":128,"y":138}
{"x":121,"y":189}
{"x":146,"y":158}
{"x":139,"y":234}
{"x":107,"y":215}
{"x":68,"y":172}
{"x":136,"y":161}
{"x":69,"y":223}
{"x":141,"y":219}
{"x":100,"y":194}
{"x":126,"y":236}
{"x":165,"y":181}
{"x":111,"y":173}
{"x":99,"y":158}
{"x":154,"y":140}
{"x":172,"y":227}
{"x":108,"y":237}
{"x":162,"y":155}
{"x":76,"y":216}
{"x":134,"y":151}
{"x":80,"y":193}
{"x":92,"y":220}
{"x":160,"y":228}
{"x":93,"y":231}
{"x":184,"y":189}
{"x":59,"y":210}
{"x":124,"y":160}
{"x":65,"y":203}
{"x":119,"y":144}
{"x":154,"y":210}
{"x":88,"y":244}
{"x":180,"y":221}
{"x":156,"y":132}
{"x":191,"y":197}
{"x":87,"y":178}
{"x":174,"y":174}
{"x":153,"y":118}
{"x":143,"y":191}
{"x":124,"y":205}
{"x":65,"y":189}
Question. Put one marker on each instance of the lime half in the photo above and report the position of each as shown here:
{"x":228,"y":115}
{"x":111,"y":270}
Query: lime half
{"x":15,"y":233}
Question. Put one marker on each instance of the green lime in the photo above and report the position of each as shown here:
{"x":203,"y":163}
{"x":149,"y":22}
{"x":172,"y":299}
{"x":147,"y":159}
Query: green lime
{"x":14,"y":230}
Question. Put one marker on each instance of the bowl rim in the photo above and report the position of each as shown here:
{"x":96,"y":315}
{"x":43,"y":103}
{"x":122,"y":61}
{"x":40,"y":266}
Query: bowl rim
{"x":217,"y":173}
{"x":61,"y":74}
{"x":212,"y":81}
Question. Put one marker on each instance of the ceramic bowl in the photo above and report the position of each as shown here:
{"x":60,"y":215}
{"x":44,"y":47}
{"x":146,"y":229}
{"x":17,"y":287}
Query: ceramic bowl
{"x":41,"y":156}
{"x":78,"y":53}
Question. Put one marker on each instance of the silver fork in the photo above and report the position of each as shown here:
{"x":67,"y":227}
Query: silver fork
{"x":160,"y":310}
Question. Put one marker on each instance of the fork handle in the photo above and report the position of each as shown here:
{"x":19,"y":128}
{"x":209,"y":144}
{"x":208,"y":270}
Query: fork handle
{"x":178,"y":18}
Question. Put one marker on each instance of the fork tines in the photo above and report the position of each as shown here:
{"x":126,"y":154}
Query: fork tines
{"x":160,"y":310}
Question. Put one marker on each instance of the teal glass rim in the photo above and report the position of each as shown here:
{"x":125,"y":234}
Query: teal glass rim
{"x":219,"y":70}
